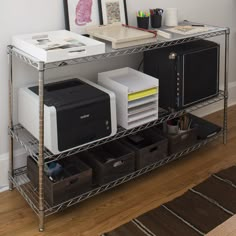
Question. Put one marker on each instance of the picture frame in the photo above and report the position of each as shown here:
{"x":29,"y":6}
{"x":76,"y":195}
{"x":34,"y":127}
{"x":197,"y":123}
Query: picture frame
{"x":112,"y":11}
{"x":79,"y":14}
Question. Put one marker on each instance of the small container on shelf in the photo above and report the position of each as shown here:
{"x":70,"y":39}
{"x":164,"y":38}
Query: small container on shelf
{"x":156,"y":17}
{"x":149,"y":147}
{"x":182,"y":140}
{"x":182,"y":137}
{"x":136,"y":96}
{"x":72,"y":178}
{"x":143,"y":22}
{"x":143,"y":19}
{"x":110,"y":162}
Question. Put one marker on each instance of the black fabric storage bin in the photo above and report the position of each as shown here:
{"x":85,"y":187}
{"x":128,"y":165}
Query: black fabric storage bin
{"x":78,"y":180}
{"x":181,"y":141}
{"x":149,"y":147}
{"x":110,"y":162}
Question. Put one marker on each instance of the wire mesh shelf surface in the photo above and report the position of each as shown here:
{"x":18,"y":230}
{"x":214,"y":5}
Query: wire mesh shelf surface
{"x":161,"y":42}
{"x":30,"y":194}
{"x":30,"y":143}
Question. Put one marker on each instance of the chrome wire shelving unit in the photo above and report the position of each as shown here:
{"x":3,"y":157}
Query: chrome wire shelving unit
{"x":18,"y":177}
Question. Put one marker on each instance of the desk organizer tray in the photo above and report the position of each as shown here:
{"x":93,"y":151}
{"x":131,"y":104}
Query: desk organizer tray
{"x":110,"y":162}
{"x":57,"y":45}
{"x":149,"y":147}
{"x":77,"y":180}
{"x":198,"y":129}
{"x":121,"y":36}
{"x":136,"y":95}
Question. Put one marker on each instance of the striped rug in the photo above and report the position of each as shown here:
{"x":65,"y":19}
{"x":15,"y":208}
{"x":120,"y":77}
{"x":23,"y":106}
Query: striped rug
{"x":195,"y":213}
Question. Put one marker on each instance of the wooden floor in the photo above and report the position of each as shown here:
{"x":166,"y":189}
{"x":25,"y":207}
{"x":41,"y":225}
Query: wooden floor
{"x":115,"y":207}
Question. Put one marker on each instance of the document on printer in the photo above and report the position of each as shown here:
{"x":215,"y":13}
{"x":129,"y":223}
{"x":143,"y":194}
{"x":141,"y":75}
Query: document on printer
{"x":44,"y":42}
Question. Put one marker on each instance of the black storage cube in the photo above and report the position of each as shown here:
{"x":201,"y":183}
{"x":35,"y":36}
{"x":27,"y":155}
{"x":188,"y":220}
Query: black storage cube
{"x":110,"y":162}
{"x":77,"y":179}
{"x":149,"y":147}
{"x":181,"y":141}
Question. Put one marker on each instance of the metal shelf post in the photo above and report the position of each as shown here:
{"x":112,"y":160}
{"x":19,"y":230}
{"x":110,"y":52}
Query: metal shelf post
{"x":10,"y":118}
{"x":226,"y":86}
{"x":41,"y":146}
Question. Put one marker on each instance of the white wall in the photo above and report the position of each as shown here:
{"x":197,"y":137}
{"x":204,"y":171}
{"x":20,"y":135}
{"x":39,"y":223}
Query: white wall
{"x":27,"y":16}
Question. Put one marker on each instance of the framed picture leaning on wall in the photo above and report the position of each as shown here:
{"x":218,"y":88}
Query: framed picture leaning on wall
{"x":112,"y":11}
{"x":81,"y":13}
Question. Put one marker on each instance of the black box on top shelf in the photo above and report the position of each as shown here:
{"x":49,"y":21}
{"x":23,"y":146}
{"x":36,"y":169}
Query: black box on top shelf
{"x":188,"y":73}
{"x":72,"y":178}
{"x":149,"y":147}
{"x":110,"y":162}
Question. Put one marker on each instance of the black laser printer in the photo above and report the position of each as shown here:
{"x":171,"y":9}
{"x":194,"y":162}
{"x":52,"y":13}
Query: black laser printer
{"x":77,"y":112}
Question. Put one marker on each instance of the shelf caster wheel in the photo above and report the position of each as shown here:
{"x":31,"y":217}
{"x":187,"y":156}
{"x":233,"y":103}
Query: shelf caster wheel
{"x":41,"y":221}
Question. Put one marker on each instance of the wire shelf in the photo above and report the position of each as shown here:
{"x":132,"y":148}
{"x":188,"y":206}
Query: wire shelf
{"x":30,"y":194}
{"x":177,"y":39}
{"x":30,"y":143}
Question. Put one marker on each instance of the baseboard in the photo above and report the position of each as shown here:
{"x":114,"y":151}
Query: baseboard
{"x":20,"y":155}
{"x":232,"y":93}
{"x":19,"y":161}
{"x":219,"y":105}
{"x":3,"y":172}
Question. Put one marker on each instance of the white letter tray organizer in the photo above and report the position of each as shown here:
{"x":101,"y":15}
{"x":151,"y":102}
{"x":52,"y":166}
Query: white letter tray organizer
{"x":136,"y":96}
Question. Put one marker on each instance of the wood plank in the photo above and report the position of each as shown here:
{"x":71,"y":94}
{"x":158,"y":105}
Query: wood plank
{"x":120,"y":205}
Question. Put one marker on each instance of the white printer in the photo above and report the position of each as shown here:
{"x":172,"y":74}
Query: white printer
{"x":76,"y":112}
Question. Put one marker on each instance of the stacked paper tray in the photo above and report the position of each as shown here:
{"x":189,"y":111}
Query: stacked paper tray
{"x":121,"y":36}
{"x":136,"y":96}
{"x":57,"y":45}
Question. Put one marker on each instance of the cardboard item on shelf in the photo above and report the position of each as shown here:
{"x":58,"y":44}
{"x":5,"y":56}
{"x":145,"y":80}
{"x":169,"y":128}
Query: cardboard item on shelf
{"x":122,"y":36}
{"x":136,"y":96}
{"x":189,"y":29}
{"x":57,"y":45}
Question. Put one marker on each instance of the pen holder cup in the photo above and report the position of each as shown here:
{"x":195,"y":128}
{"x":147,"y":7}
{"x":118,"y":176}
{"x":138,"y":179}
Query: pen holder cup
{"x":143,"y":22}
{"x":156,"y":20}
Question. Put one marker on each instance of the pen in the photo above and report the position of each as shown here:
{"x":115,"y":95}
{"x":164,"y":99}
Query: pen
{"x":197,"y":25}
